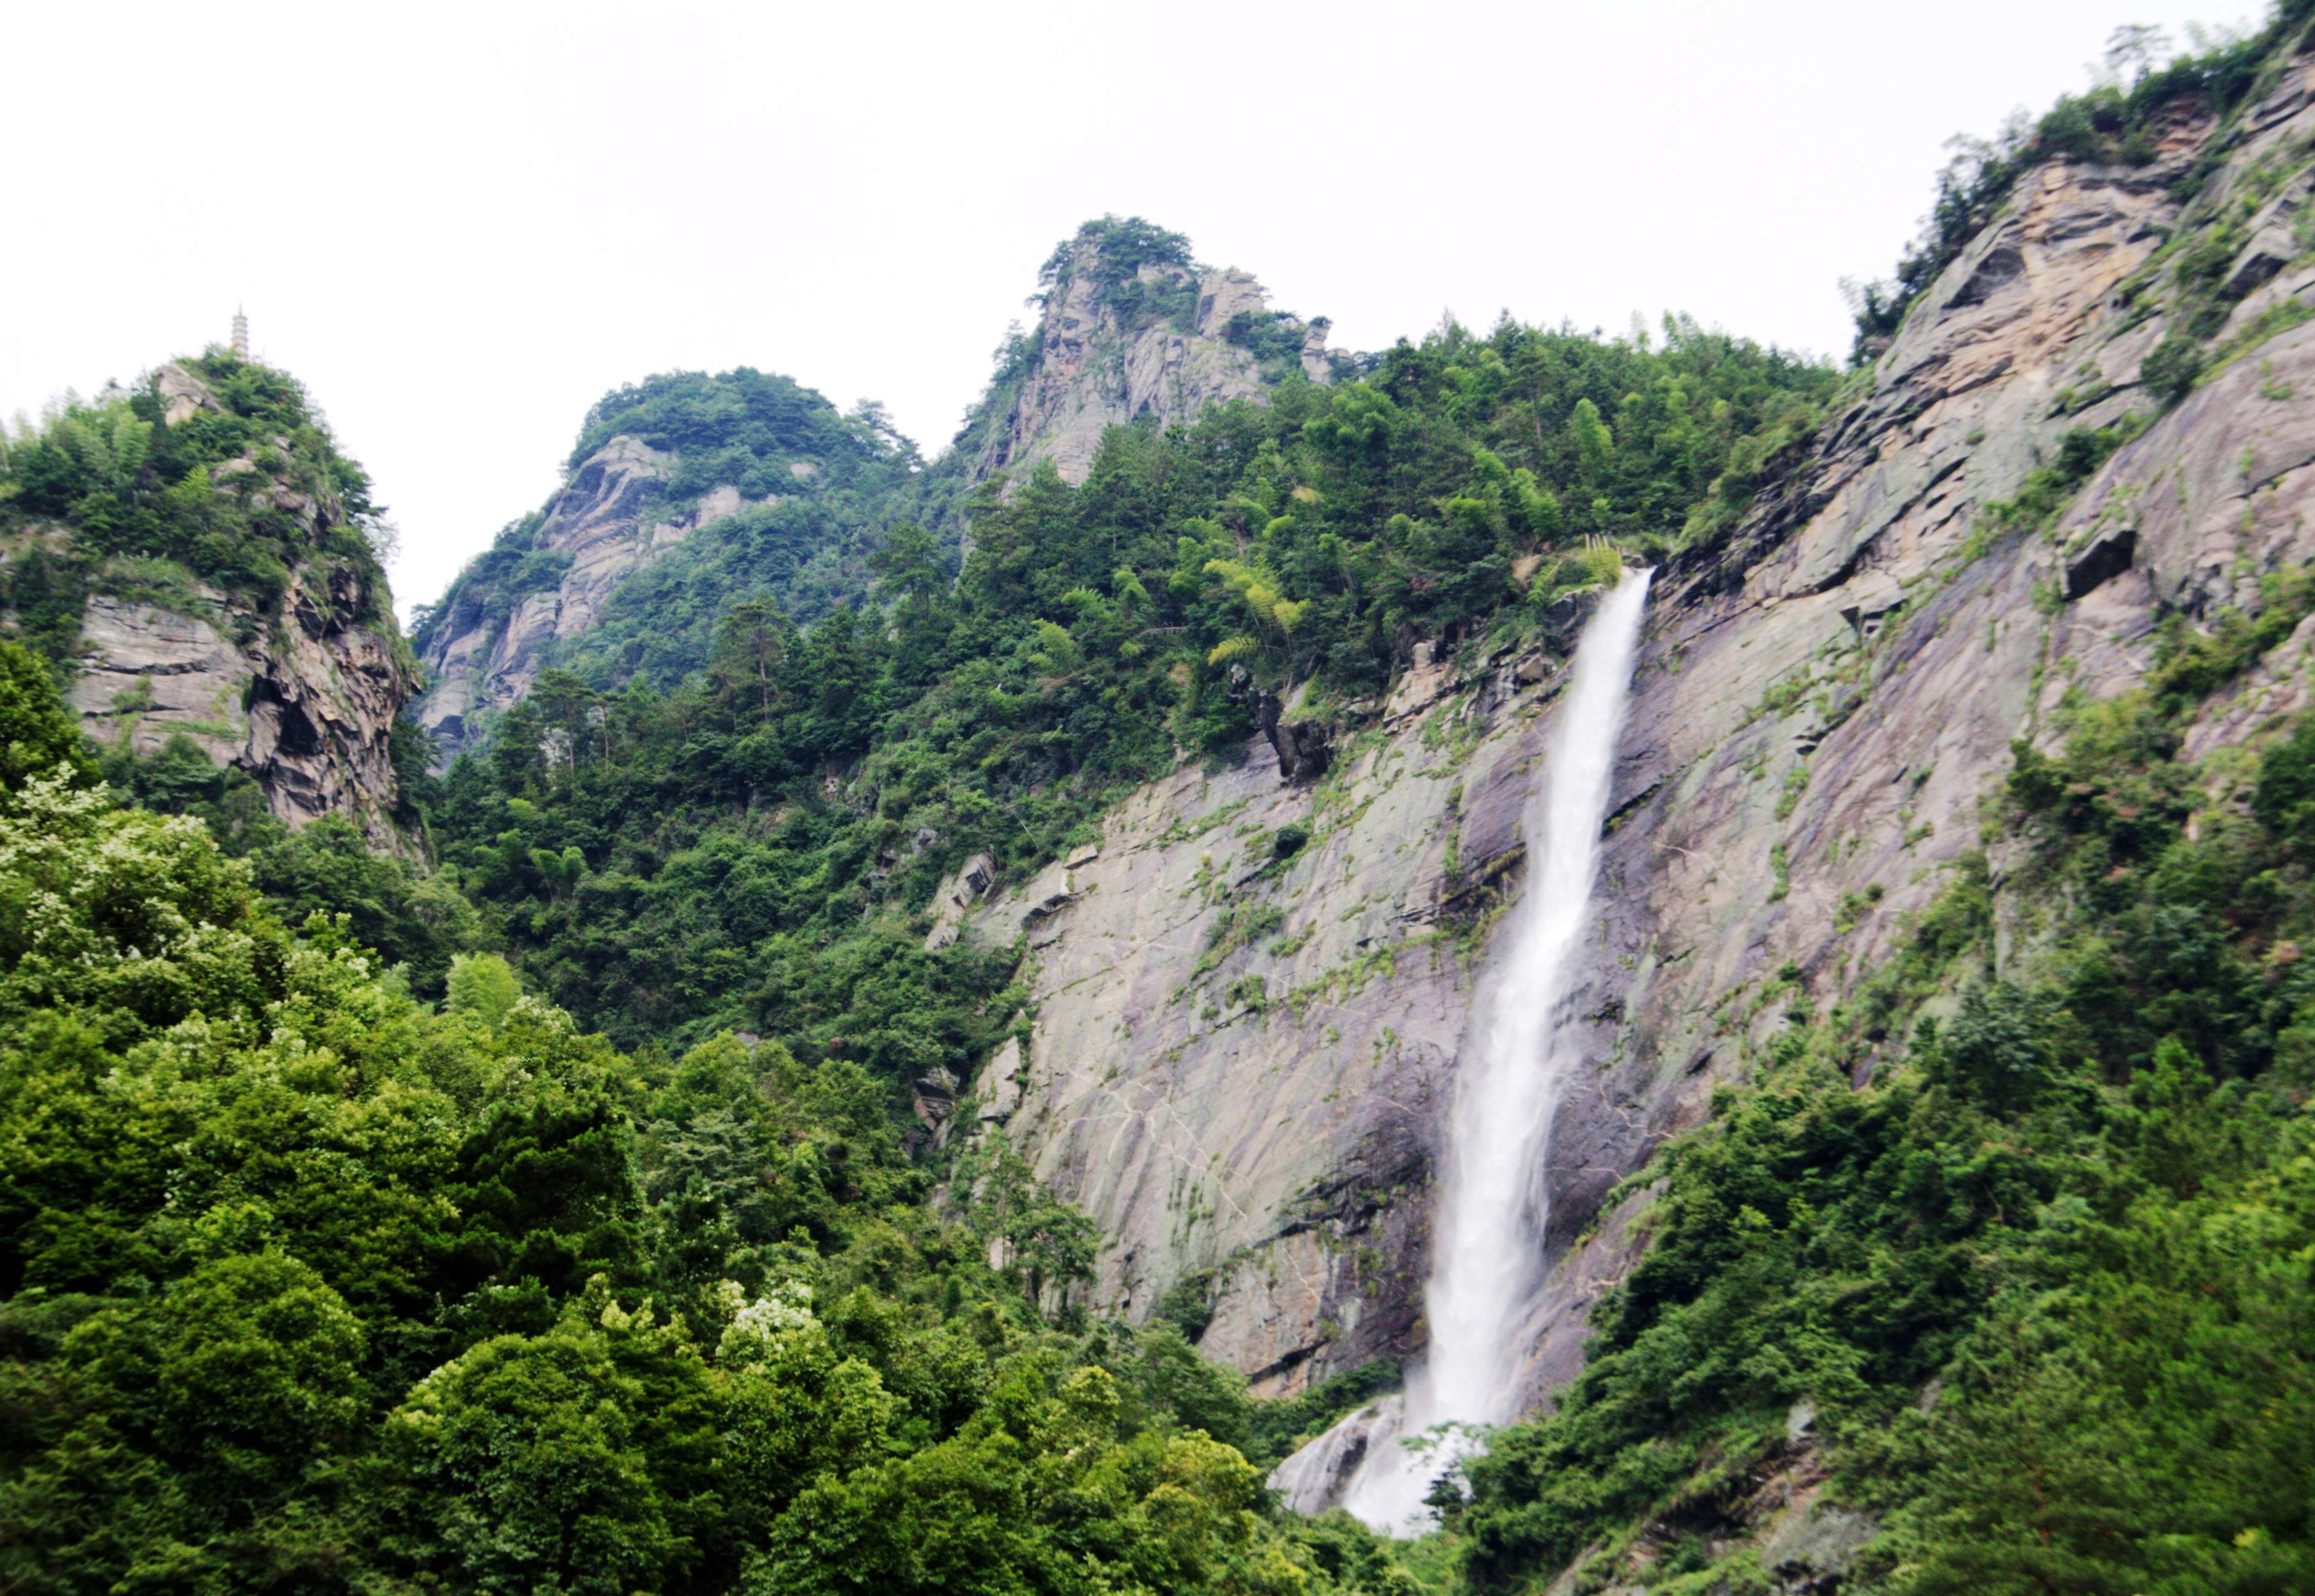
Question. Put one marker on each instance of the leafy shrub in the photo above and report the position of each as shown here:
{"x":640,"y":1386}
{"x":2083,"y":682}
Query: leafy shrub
{"x":2171,"y":367}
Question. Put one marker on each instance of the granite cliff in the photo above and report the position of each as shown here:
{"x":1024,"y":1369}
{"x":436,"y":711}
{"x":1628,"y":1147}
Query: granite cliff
{"x":484,"y":645}
{"x":1130,"y":330}
{"x":1239,"y":1057}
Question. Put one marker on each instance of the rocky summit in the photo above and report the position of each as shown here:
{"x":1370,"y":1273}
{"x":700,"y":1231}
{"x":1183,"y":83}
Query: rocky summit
{"x":839,"y":1020}
{"x":268,"y":642}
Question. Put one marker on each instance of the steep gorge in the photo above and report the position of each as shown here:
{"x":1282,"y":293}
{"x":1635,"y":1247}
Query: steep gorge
{"x":1237,"y":1055}
{"x":939,"y":1020}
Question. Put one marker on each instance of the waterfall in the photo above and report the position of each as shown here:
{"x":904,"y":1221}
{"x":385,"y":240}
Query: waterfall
{"x":1488,"y":1235}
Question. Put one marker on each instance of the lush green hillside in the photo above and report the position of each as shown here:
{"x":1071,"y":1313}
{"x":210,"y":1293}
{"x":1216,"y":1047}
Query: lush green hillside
{"x":498,"y":1304}
{"x":537,"y":1216}
{"x":746,"y":847}
{"x":304,"y":1285}
{"x":821,"y":490}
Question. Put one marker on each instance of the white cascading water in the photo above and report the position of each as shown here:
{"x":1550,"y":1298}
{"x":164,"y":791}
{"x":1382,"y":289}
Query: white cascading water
{"x":1487,"y":1260}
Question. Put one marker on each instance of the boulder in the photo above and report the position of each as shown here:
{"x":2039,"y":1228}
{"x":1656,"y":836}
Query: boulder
{"x":1305,"y":747}
{"x":1868,"y":597}
{"x":1808,"y":1548}
{"x":956,"y":895}
{"x":1052,"y":887}
{"x":934,"y":1100}
{"x":1313,"y":1478}
{"x":183,"y":394}
{"x":2270,"y":250}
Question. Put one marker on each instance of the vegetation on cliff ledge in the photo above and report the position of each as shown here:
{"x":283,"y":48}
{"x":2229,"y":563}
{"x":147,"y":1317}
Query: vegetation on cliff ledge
{"x":2120,"y":121}
{"x":244,"y":495}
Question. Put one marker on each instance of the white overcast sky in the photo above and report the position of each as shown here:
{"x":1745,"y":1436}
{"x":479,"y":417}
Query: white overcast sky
{"x":460,"y":225}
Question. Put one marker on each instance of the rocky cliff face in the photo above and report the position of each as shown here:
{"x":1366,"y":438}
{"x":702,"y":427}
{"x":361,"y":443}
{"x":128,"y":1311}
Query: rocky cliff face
{"x":1161,"y":341}
{"x":607,"y":520}
{"x":1240,"y":1063}
{"x":303,"y":695}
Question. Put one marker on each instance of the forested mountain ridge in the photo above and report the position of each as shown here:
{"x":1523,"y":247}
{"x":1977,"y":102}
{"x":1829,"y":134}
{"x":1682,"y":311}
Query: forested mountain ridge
{"x":1026,"y":978}
{"x":688,"y":492}
{"x":685,"y":493}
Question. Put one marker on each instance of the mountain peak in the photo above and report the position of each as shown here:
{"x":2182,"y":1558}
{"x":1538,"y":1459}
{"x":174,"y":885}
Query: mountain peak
{"x":1130,"y":325}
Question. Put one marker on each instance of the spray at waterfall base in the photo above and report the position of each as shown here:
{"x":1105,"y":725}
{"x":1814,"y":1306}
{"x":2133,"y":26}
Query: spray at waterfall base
{"x":1488,"y":1233}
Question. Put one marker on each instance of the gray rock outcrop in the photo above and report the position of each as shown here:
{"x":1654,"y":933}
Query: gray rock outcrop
{"x":956,"y":895}
{"x":302,"y":696}
{"x":1098,"y":366}
{"x":607,"y":520}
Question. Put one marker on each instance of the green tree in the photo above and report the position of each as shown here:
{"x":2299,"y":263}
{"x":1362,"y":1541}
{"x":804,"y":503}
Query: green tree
{"x":482,"y":985}
{"x":577,"y":1460}
{"x":37,"y":733}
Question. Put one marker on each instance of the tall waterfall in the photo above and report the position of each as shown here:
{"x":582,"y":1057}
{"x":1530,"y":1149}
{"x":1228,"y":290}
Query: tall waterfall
{"x":1487,"y":1235}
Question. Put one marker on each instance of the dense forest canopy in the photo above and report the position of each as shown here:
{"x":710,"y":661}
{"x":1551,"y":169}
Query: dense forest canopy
{"x":304,"y":1284}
